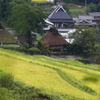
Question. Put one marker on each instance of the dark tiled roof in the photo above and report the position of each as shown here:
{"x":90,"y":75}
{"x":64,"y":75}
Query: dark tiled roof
{"x":86,"y":17}
{"x":54,"y":38}
{"x":84,"y":22}
{"x":94,"y":13}
{"x":6,"y":37}
{"x":56,"y":20}
{"x":60,"y":15}
{"x":96,"y":19}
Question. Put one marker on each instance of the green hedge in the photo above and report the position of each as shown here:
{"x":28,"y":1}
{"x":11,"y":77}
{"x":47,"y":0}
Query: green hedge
{"x":85,"y":61}
{"x":6,"y":80}
{"x":30,"y":51}
{"x":34,"y":50}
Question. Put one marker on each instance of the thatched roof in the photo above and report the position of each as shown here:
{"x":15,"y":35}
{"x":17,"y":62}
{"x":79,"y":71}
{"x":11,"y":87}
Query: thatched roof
{"x":54,"y":38}
{"x":6,"y":37}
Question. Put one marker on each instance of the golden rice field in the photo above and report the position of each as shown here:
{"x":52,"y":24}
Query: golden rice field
{"x":64,"y":76}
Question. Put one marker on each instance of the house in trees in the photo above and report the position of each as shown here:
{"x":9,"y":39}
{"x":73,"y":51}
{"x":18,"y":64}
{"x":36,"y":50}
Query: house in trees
{"x":85,"y":20}
{"x":96,"y":16}
{"x":6,"y":38}
{"x":61,"y":20}
{"x":55,"y":41}
{"x":91,"y":19}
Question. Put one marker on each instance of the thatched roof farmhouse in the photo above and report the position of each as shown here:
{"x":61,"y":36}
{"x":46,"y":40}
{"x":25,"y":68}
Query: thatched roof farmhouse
{"x":55,"y":41}
{"x":6,"y":38}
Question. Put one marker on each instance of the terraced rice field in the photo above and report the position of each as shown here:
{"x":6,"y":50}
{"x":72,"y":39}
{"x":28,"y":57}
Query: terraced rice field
{"x":67,"y":77}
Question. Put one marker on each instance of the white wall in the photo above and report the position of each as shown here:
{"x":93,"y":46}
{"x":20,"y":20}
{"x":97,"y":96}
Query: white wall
{"x":51,"y":0}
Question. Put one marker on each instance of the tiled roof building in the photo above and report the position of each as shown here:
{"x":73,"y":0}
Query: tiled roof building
{"x":60,"y":18}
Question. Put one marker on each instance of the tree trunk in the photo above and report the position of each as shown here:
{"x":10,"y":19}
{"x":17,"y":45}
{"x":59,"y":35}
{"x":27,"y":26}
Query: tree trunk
{"x":29,"y":38}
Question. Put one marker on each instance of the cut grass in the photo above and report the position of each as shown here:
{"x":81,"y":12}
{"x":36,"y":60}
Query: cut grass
{"x":40,"y":72}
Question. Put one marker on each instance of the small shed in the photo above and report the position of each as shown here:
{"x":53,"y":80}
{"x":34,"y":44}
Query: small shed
{"x":6,"y":38}
{"x":55,"y":41}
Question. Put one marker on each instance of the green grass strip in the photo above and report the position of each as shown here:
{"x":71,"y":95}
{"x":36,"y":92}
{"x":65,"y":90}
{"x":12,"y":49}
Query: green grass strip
{"x":68,"y":78}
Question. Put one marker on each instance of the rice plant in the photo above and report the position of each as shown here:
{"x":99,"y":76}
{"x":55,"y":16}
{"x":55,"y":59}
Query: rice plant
{"x":40,"y":71}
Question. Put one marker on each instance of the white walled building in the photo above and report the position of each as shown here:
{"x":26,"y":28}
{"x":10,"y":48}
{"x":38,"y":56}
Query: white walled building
{"x":50,"y":0}
{"x":62,"y":21}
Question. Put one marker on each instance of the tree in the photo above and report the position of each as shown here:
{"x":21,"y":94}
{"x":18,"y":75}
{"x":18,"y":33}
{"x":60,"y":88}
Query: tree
{"x":26,"y":18}
{"x":92,"y":7}
{"x":12,"y":3}
{"x":98,"y":8}
{"x":84,"y":40}
{"x":43,"y":46}
{"x":55,"y":2}
{"x":3,"y":8}
{"x":6,"y":6}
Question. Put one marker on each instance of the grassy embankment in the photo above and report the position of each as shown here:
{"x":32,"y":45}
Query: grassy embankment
{"x":69,"y":78}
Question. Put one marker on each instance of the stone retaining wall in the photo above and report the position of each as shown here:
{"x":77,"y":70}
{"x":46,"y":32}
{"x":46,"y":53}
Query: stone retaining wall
{"x":93,"y":60}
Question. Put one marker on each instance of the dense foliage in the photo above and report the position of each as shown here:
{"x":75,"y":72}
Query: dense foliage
{"x":7,"y":5}
{"x":26,"y":19}
{"x":84,"y":41}
{"x":93,"y":8}
{"x":82,"y":1}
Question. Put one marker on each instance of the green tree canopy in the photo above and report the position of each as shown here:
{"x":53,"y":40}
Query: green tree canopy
{"x":26,"y":18}
{"x":7,"y":5}
{"x":84,"y":39}
{"x":3,"y":8}
{"x":98,"y":8}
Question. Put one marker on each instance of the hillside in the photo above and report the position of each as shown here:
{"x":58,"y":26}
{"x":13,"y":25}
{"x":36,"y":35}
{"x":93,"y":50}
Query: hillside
{"x":67,"y":77}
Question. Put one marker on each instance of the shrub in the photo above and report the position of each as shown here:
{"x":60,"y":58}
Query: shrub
{"x":85,"y":61}
{"x":6,"y":80}
{"x":4,"y":94}
{"x":25,"y":45}
{"x":34,"y":50}
{"x":3,"y":97}
{"x":8,"y":47}
{"x":91,"y":79}
{"x":43,"y":46}
{"x":55,"y":97}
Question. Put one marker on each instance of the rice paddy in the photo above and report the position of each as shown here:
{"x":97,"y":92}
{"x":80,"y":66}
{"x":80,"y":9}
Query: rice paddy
{"x":64,"y":76}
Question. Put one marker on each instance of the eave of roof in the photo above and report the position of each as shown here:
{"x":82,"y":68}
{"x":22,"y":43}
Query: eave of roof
{"x":62,"y":20}
{"x":94,"y":13}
